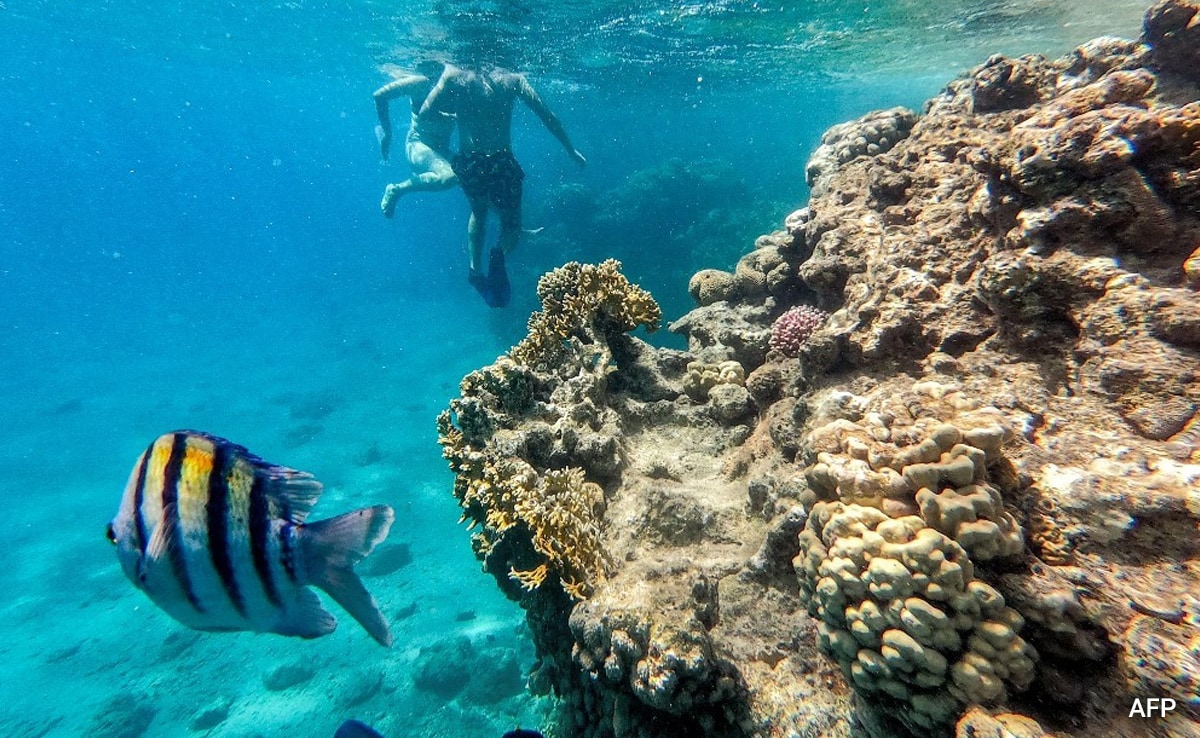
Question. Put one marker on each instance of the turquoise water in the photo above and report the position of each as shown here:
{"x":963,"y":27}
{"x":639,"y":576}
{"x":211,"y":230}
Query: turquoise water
{"x":189,"y":197}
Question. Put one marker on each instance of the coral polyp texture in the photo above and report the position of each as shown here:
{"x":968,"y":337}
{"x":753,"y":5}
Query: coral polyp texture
{"x":792,"y":330}
{"x":904,"y":511}
{"x":901,"y":611}
{"x":968,"y":505}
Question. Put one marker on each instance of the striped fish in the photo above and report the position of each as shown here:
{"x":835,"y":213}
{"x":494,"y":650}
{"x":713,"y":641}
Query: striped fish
{"x":216,"y":537}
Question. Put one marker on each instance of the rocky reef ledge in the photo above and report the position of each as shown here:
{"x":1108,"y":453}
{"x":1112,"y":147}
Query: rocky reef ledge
{"x":931,"y":462}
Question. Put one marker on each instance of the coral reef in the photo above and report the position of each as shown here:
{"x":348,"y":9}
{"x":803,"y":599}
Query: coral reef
{"x":588,"y":301}
{"x":903,"y":512}
{"x":540,"y":440}
{"x":968,"y":504}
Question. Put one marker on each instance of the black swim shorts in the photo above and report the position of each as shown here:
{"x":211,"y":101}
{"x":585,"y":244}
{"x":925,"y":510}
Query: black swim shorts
{"x":495,"y":176}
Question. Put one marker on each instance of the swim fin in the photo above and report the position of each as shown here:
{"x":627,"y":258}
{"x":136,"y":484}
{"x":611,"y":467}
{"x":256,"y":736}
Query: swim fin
{"x":498,"y":278}
{"x":484,"y":287}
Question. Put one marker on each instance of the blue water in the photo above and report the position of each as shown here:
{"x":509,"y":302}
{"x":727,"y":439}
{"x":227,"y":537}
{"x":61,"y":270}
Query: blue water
{"x":189,"y":202}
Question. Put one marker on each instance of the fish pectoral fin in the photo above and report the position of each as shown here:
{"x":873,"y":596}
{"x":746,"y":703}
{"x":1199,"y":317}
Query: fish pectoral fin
{"x":153,"y":565}
{"x":292,"y":493}
{"x":305,"y":617}
{"x":160,"y":540}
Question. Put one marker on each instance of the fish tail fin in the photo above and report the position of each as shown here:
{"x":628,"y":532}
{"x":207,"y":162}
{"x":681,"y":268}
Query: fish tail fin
{"x":332,"y":547}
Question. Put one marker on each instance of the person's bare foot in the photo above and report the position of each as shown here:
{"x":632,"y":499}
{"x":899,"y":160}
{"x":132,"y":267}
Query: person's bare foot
{"x":390,"y":196}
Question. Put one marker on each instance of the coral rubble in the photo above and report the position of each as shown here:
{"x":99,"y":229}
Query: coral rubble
{"x":966,"y":503}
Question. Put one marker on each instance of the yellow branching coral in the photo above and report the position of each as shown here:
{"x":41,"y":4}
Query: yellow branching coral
{"x":532,"y":578}
{"x":552,"y":518}
{"x":535,"y":525}
{"x":587,"y":301}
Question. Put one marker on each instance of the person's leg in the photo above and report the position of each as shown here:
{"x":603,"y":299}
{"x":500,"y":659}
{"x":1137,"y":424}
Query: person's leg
{"x":493,"y":287}
{"x":510,"y":228}
{"x":506,"y":196}
{"x":476,"y":230}
{"x":510,"y":233}
{"x":431,"y":172}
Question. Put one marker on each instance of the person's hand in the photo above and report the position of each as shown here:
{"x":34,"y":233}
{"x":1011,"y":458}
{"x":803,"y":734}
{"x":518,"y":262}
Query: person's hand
{"x":578,"y":157}
{"x":384,"y":136}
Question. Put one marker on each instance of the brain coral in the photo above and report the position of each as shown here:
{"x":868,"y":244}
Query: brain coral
{"x":901,"y":612}
{"x":712,"y":285}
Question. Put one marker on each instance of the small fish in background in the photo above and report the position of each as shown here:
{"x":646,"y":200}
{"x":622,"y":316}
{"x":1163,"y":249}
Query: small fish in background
{"x":355,"y":729}
{"x":217,"y":537}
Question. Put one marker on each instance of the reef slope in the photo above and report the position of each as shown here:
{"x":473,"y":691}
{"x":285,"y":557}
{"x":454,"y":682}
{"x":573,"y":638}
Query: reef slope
{"x":966,"y":501}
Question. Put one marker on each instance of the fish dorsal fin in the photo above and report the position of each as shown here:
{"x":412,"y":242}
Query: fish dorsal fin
{"x":292,"y":493}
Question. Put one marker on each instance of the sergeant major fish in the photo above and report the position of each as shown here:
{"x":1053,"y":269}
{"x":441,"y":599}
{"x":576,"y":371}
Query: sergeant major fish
{"x":217,"y":537}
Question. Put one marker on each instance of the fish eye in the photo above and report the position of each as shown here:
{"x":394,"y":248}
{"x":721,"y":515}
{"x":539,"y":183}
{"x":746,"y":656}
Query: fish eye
{"x":111,"y":534}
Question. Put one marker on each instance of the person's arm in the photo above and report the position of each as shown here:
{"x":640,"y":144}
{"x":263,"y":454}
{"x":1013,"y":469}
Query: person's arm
{"x":437,"y":99}
{"x":398,"y":87}
{"x":530,"y":97}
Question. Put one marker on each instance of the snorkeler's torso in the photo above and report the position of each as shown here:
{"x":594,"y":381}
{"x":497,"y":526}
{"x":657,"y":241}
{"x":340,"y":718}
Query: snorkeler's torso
{"x":485,"y":115}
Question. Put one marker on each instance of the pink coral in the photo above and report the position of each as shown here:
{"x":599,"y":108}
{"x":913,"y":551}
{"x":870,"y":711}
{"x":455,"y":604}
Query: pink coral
{"x":792,"y":329}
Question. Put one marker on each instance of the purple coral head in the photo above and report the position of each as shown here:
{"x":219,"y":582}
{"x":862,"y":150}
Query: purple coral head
{"x":793,"y":329}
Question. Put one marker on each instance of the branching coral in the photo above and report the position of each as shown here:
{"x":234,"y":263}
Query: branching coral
{"x":517,"y":460}
{"x":545,"y":526}
{"x":587,"y":302}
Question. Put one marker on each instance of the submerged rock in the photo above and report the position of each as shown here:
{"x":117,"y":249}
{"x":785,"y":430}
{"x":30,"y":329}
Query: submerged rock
{"x":286,"y":676}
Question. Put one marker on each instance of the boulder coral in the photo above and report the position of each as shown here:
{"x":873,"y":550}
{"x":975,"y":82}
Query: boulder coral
{"x":942,"y":476}
{"x":874,"y":133}
{"x":903,"y":614}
